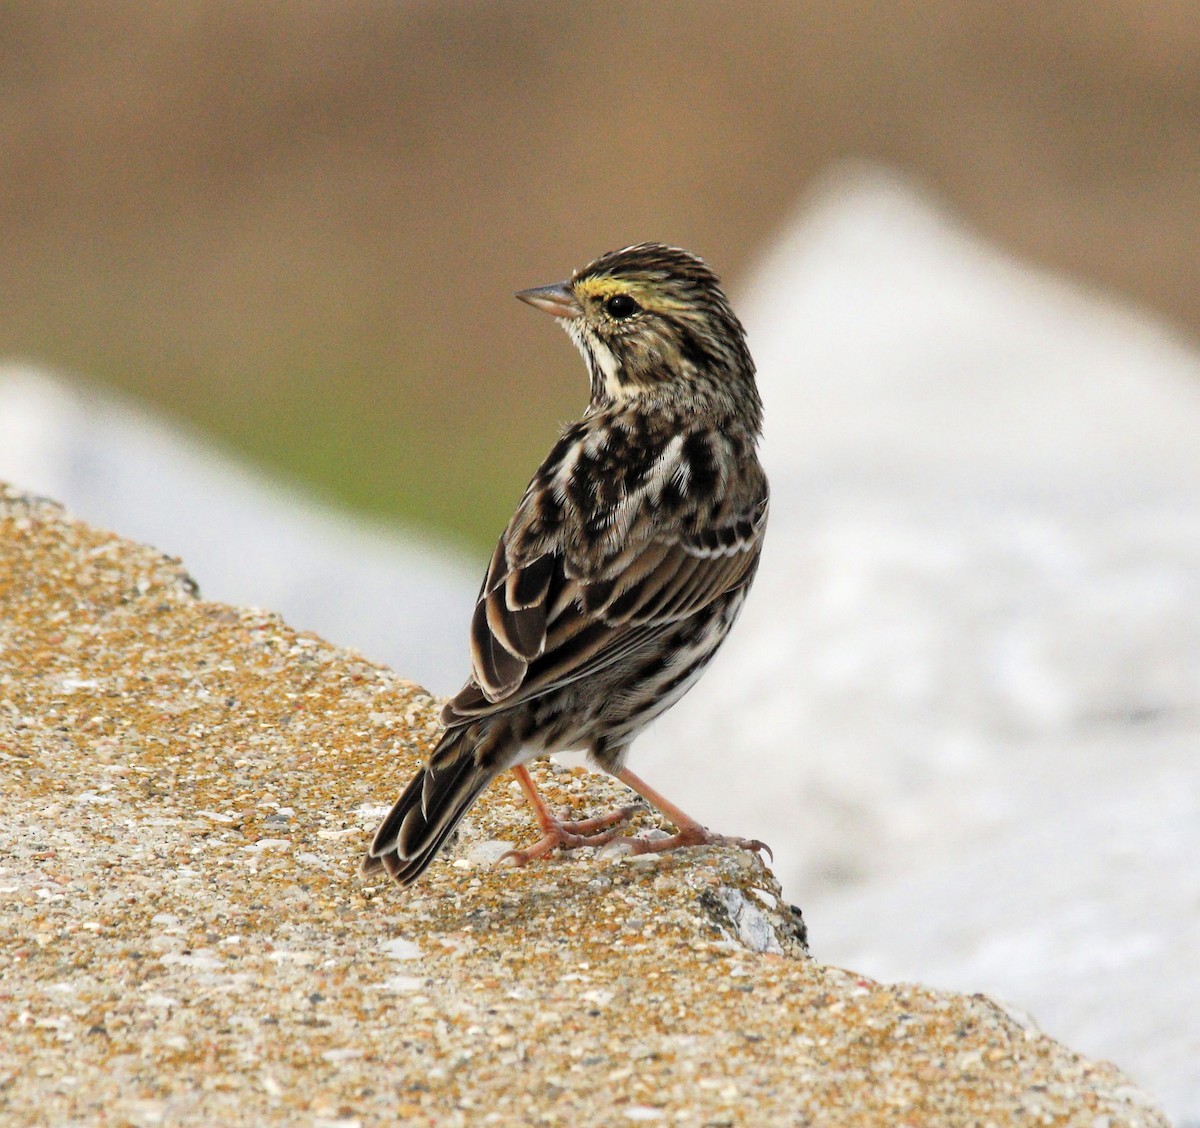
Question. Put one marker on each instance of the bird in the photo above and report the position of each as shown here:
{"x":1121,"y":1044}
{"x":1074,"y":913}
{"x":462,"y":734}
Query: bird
{"x":627,"y":561}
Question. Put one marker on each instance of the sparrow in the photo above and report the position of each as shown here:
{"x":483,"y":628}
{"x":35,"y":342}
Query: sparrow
{"x":623,"y":568}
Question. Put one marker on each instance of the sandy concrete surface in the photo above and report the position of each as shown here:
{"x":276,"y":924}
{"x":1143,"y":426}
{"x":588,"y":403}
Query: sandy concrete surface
{"x":184,"y":938}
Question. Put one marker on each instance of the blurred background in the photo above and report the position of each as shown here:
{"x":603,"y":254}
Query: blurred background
{"x":256,"y":310}
{"x":299,"y":225}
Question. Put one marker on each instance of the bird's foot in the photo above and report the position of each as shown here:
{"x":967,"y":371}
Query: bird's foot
{"x":692,"y":834}
{"x":557,"y":834}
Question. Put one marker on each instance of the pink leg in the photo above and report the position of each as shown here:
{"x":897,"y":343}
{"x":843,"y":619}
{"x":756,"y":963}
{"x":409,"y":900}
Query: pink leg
{"x":691,"y":833}
{"x":555,"y":833}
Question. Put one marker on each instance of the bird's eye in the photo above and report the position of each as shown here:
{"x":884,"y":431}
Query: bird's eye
{"x":621,"y":306}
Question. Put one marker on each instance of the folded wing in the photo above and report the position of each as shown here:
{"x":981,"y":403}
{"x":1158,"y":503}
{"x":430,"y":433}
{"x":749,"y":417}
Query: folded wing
{"x":543,"y":621}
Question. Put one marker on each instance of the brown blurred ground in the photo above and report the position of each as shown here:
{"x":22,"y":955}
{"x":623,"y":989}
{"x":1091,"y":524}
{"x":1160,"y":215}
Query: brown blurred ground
{"x":300,"y":224}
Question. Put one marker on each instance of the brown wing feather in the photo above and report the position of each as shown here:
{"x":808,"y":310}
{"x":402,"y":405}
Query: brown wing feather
{"x":496,"y":670}
{"x":509,"y":626}
{"x":537,"y":627}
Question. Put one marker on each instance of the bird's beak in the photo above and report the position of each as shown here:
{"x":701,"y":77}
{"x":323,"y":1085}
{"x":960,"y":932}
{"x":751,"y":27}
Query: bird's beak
{"x":556,"y":300}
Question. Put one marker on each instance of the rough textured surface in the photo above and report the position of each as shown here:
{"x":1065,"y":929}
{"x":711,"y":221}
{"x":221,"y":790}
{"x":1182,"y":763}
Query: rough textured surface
{"x":184,"y":938}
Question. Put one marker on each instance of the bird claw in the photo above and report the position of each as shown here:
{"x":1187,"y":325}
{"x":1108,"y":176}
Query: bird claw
{"x":699,"y":836}
{"x":571,"y":835}
{"x":752,"y":844}
{"x":755,"y":846}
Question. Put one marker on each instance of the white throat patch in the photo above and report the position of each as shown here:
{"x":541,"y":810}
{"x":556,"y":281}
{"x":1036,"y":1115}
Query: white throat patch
{"x":595,"y":351}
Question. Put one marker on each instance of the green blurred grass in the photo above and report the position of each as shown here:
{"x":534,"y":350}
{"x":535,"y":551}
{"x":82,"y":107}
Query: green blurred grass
{"x":426,"y":460}
{"x":327,"y":432}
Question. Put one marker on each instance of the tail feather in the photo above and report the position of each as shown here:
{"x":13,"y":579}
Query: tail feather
{"x":429,"y":809}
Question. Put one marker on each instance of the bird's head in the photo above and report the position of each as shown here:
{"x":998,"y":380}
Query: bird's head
{"x":652,"y":319}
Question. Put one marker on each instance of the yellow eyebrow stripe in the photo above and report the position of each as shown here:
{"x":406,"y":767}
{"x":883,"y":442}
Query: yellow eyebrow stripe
{"x":605,"y":286}
{"x":645,"y":293}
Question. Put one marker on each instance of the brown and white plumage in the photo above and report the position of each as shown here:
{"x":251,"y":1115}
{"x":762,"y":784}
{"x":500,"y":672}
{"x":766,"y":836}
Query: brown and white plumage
{"x":626,"y":562}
